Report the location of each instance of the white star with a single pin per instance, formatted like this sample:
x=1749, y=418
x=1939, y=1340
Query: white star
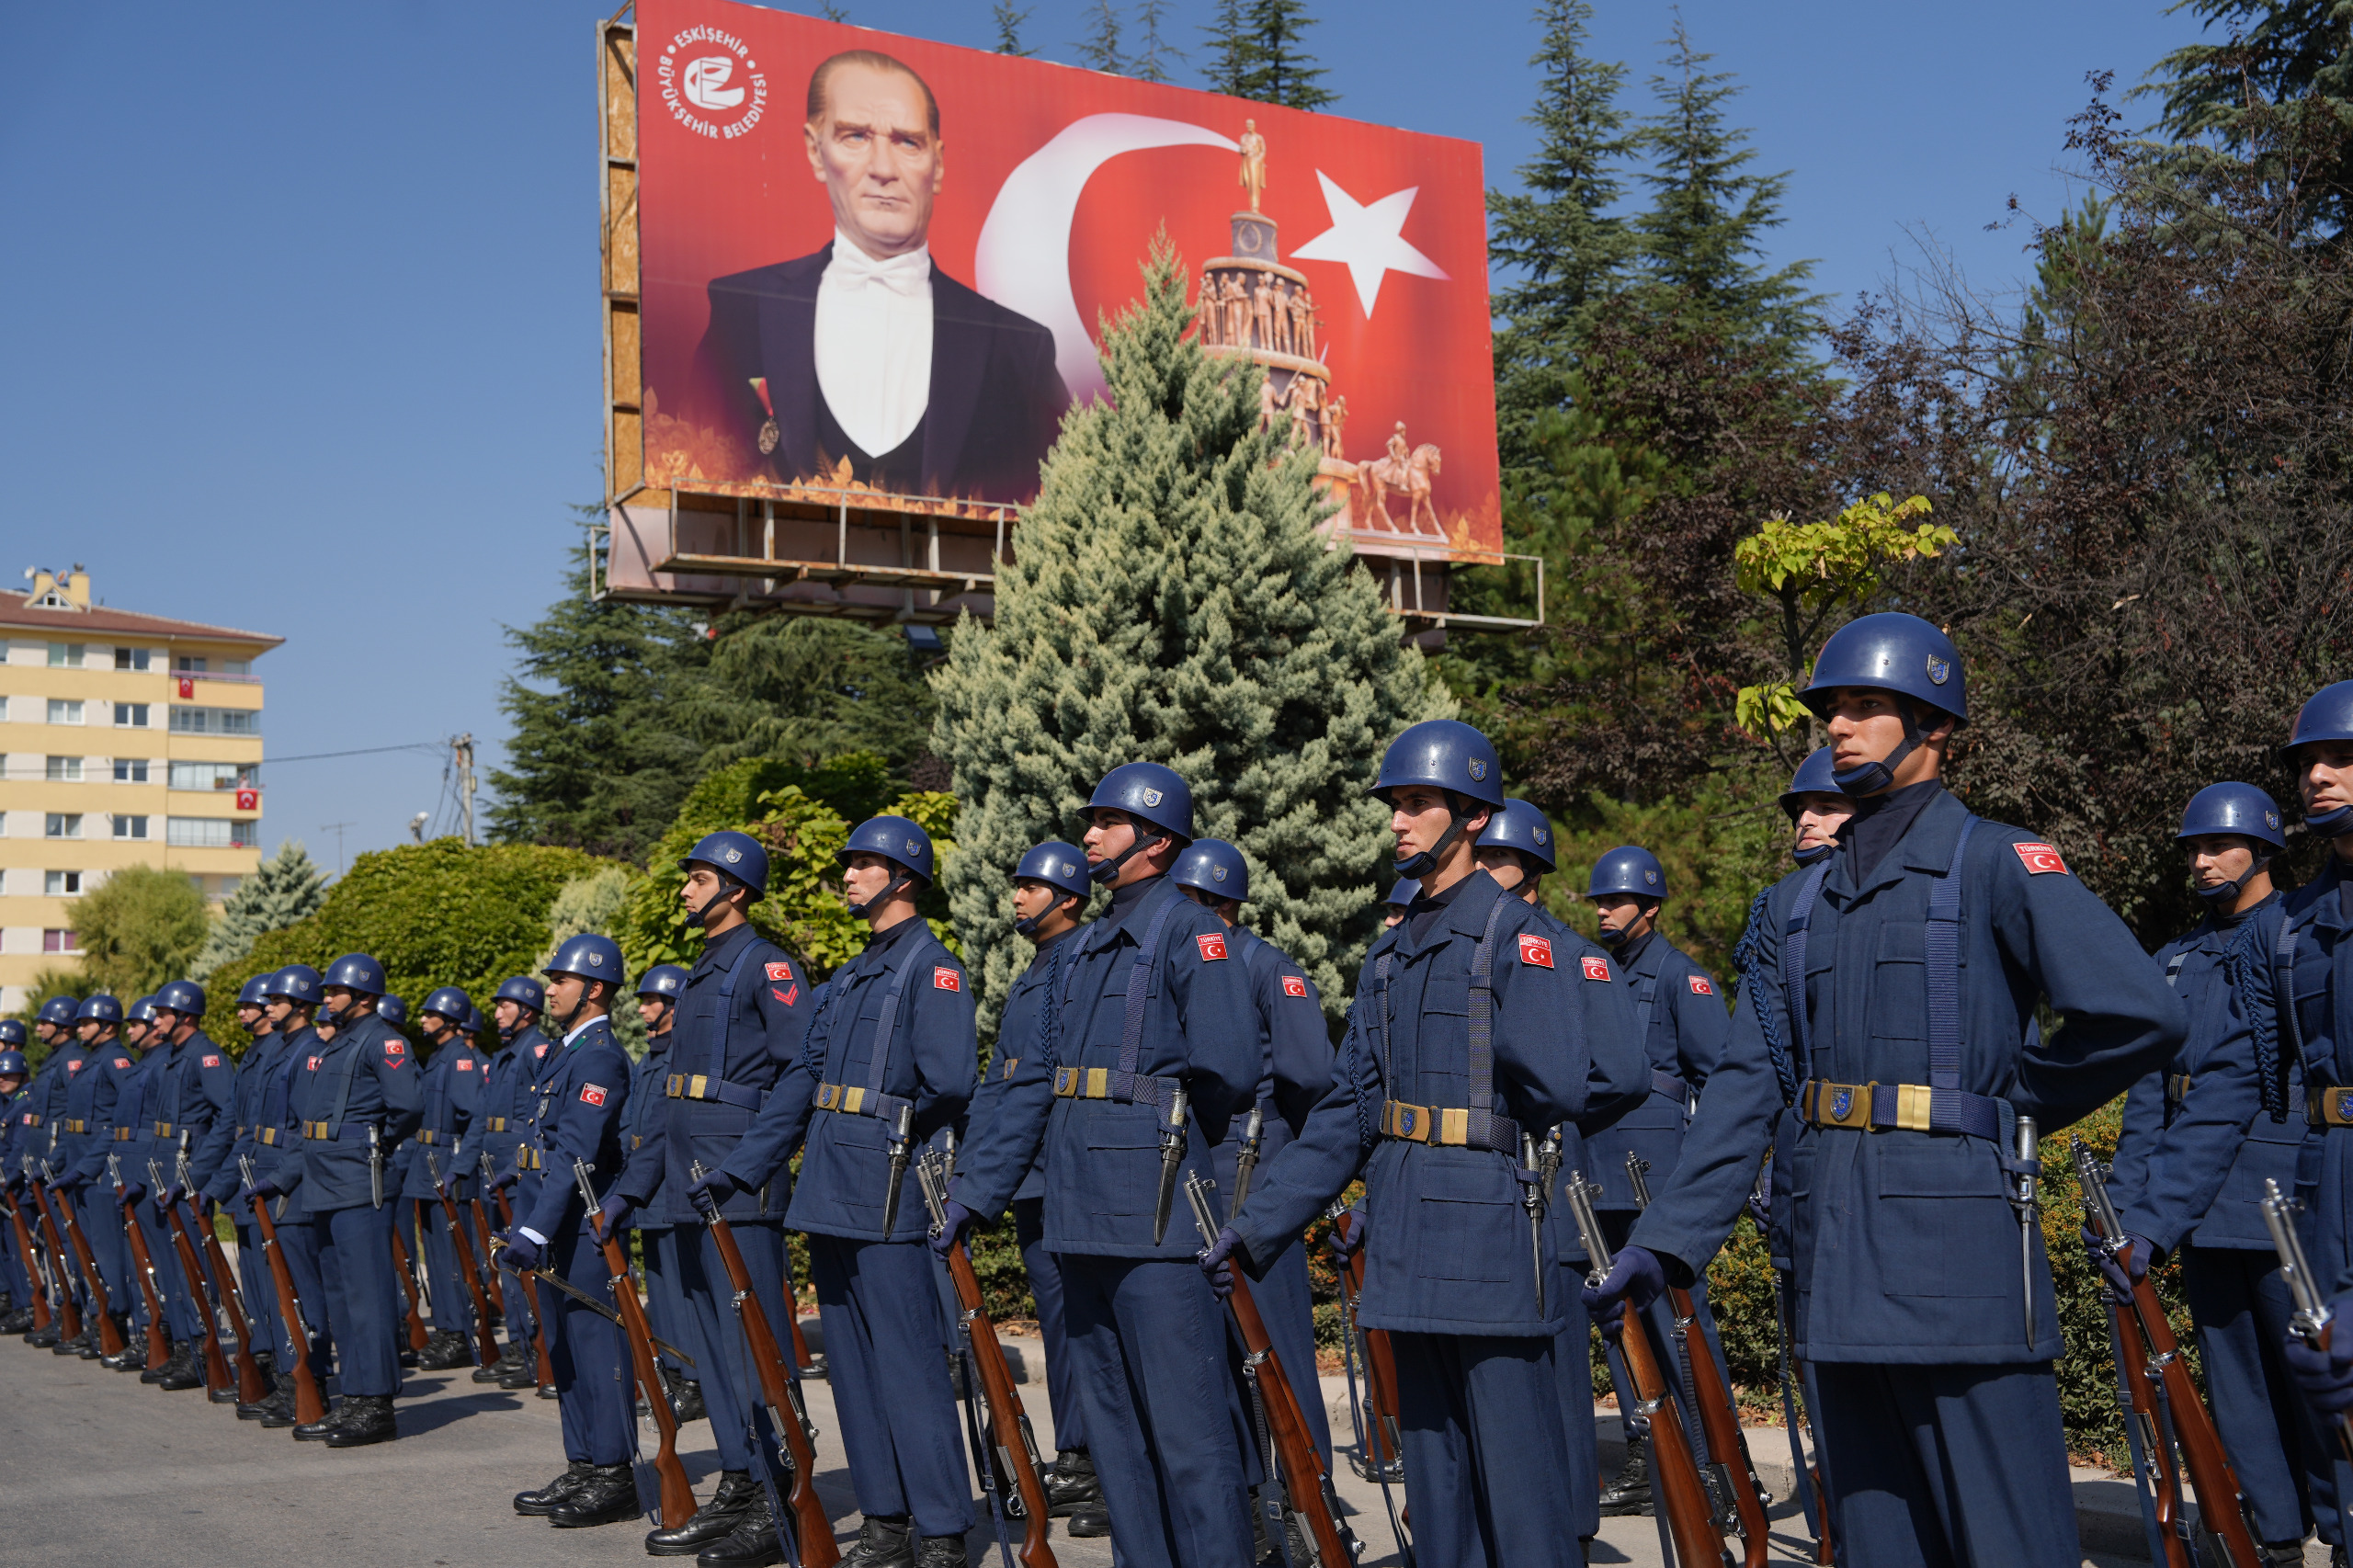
x=1368, y=239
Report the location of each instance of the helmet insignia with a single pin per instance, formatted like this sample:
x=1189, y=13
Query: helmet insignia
x=596, y=961
x=912, y=848
x=1651, y=878
x=1152, y=797
x=2271, y=821
x=1940, y=670
x=1542, y=835
x=1217, y=873
x=1478, y=770
x=733, y=856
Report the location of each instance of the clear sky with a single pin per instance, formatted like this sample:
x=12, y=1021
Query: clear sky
x=302, y=320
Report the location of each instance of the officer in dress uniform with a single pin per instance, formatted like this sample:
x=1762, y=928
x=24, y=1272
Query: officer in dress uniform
x=1049, y=895
x=49, y=1144
x=94, y=1085
x=183, y=1089
x=354, y=1099
x=740, y=1026
x=1914, y=970
x=507, y=1100
x=658, y=991
x=292, y=995
x=1153, y=1003
x=1474, y=1021
x=441, y=1160
x=890, y=1063
x=580, y=1096
x=255, y=1281
x=2191, y=1167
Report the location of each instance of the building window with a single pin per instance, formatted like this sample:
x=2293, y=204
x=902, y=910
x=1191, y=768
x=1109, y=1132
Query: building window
x=226, y=887
x=130, y=658
x=216, y=775
x=55, y=940
x=215, y=720
x=66, y=655
x=64, y=710
x=129, y=826
x=236, y=666
x=64, y=770
x=62, y=884
x=131, y=715
x=211, y=832
x=130, y=770
x=61, y=824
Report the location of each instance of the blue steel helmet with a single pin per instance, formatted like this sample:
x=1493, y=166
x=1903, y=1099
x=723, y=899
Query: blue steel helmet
x=448, y=1002
x=140, y=1012
x=1894, y=651
x=1150, y=793
x=664, y=979
x=1628, y=869
x=1443, y=754
x=732, y=854
x=2233, y=808
x=523, y=989
x=101, y=1006
x=1215, y=866
x=476, y=1023
x=184, y=997
x=1815, y=775
x=12, y=1032
x=1520, y=826
x=393, y=1009
x=296, y=982
x=896, y=839
x=591, y=956
x=2327, y=715
x=1060, y=866
x=1403, y=895
x=12, y=1061
x=356, y=971
x=59, y=1010
x=254, y=991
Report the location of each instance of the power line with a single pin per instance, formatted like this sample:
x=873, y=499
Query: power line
x=364, y=751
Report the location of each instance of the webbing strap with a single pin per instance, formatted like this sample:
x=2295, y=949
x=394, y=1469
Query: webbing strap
x=886, y=1028
x=727, y=1007
x=1645, y=1002
x=1942, y=947
x=2173, y=967
x=2283, y=985
x=1483, y=1031
x=1140, y=986
x=1794, y=939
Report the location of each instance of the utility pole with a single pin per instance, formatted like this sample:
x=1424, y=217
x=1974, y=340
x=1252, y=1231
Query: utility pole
x=336, y=828
x=462, y=751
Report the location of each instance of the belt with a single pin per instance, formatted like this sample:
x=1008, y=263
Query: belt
x=163, y=1129
x=1448, y=1126
x=2328, y=1106
x=1670, y=1085
x=73, y=1126
x=495, y=1124
x=2177, y=1086
x=529, y=1160
x=1914, y=1107
x=856, y=1100
x=269, y=1135
x=319, y=1131
x=427, y=1136
x=123, y=1134
x=702, y=1087
x=1109, y=1083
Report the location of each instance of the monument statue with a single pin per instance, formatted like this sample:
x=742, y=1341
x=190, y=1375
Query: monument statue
x=1254, y=162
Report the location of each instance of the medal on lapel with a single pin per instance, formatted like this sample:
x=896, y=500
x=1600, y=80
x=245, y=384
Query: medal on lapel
x=769, y=434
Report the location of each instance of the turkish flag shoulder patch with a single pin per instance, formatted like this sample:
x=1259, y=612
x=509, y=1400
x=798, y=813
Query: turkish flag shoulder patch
x=74, y=1067
x=2041, y=859
x=465, y=1063
x=212, y=1061
x=1295, y=985
x=1596, y=967
x=394, y=1046
x=592, y=1094
x=1213, y=946
x=1700, y=986
x=781, y=972
x=1535, y=949
x=311, y=1066
x=943, y=978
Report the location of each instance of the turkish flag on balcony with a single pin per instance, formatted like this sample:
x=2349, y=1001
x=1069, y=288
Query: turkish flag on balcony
x=249, y=800
x=188, y=686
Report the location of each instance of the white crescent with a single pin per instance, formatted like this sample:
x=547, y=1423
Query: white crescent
x=1023, y=258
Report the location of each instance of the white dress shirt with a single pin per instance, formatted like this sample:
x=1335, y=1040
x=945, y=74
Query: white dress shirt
x=873, y=343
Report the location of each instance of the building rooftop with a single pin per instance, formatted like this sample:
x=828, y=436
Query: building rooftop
x=61, y=603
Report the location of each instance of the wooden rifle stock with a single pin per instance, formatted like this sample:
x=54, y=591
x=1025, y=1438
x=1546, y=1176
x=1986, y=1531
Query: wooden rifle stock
x=486, y=1337
x=217, y=1375
x=1017, y=1448
x=42, y=1316
x=1676, y=1471
x=2165, y=1475
x=159, y=1338
x=69, y=1313
x=803, y=1363
x=539, y=1329
x=2218, y=1506
x=813, y=1528
x=310, y=1403
x=1379, y=1357
x=417, y=1337
x=1721, y=1421
x=677, y=1493
x=252, y=1387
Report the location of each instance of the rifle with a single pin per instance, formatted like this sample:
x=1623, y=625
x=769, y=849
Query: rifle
x=1016, y=1445
x=678, y=1494
x=2313, y=1316
x=252, y=1387
x=1718, y=1419
x=1380, y=1444
x=803, y=1364
x=1684, y=1511
x=36, y=1267
x=217, y=1378
x=2222, y=1507
x=159, y=1338
x=486, y=1337
x=69, y=1314
x=1292, y=1460
x=310, y=1403
x=539, y=1329
x=812, y=1526
x=417, y=1337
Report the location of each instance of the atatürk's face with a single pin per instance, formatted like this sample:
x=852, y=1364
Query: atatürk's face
x=874, y=149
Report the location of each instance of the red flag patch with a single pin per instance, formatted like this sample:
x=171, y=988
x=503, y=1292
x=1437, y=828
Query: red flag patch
x=311, y=1066
x=592, y=1094
x=1295, y=985
x=1535, y=949
x=212, y=1061
x=540, y=1049
x=74, y=1067
x=1596, y=968
x=394, y=1046
x=465, y=1063
x=780, y=971
x=2040, y=859
x=123, y=1062
x=1212, y=947
x=946, y=979
x=1700, y=986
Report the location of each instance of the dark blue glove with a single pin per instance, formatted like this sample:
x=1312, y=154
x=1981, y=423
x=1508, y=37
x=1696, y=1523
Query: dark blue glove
x=1217, y=1261
x=959, y=1218
x=502, y=1181
x=1637, y=1277
x=522, y=1252
x=2121, y=1276
x=1760, y=1206
x=2326, y=1376
x=69, y=1184
x=1345, y=1247
x=132, y=1191
x=715, y=1188
x=260, y=1188
x=610, y=1213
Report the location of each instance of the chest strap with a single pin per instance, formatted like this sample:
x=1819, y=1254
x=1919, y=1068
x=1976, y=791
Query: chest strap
x=867, y=1099
x=701, y=1087
x=1911, y=1108
x=1448, y=1127
x=1124, y=1083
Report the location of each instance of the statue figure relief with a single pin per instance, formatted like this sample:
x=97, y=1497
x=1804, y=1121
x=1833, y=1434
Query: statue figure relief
x=1302, y=411
x=1262, y=307
x=1254, y=162
x=1303, y=323
x=1210, y=314
x=1237, y=311
x=1266, y=403
x=1408, y=471
x=1335, y=414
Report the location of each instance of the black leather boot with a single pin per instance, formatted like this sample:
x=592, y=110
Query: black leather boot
x=883, y=1543
x=940, y=1551
x=317, y=1431
x=1630, y=1492
x=752, y=1543
x=45, y=1338
x=371, y=1422
x=171, y=1364
x=1088, y=1521
x=609, y=1498
x=1071, y=1485
x=261, y=1407
x=183, y=1371
x=129, y=1358
x=16, y=1322
x=712, y=1521
x=442, y=1353
x=72, y=1347
x=509, y=1360
x=543, y=1501
x=278, y=1410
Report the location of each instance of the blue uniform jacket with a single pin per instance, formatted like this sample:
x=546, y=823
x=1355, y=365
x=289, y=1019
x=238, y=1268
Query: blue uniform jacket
x=368, y=1078
x=1680, y=1016
x=508, y=1096
x=185, y=1088
x=1905, y=1246
x=896, y=1027
x=1019, y=1032
x=2316, y=971
x=741, y=1024
x=641, y=1131
x=448, y=1110
x=1102, y=1156
x=578, y=1102
x=1448, y=1245
x=233, y=1136
x=92, y=1095
x=1294, y=1053
x=2193, y=1165
x=39, y=1118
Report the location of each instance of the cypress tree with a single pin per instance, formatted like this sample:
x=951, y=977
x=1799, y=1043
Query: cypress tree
x=1234, y=53
x=1150, y=63
x=1281, y=71
x=1009, y=19
x=1100, y=47
x=287, y=887
x=1171, y=601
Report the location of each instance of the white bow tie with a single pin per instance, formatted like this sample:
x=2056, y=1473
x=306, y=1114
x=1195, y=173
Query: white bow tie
x=905, y=275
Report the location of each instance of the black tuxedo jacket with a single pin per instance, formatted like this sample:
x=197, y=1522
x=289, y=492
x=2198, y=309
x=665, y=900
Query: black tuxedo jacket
x=997, y=398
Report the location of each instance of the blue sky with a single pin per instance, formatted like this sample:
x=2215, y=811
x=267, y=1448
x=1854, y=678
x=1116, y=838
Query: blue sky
x=304, y=318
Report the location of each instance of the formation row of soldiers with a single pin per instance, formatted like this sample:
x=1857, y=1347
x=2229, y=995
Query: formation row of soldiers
x=1547, y=1131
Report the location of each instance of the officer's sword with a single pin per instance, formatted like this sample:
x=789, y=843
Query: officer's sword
x=2313, y=1316
x=556, y=1281
x=902, y=1133
x=1245, y=1159
x=375, y=1169
x=2026, y=1197
x=1173, y=1137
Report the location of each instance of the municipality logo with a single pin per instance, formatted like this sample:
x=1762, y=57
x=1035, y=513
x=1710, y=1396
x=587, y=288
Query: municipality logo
x=709, y=83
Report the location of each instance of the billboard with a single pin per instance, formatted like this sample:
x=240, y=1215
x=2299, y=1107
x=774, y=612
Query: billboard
x=896, y=294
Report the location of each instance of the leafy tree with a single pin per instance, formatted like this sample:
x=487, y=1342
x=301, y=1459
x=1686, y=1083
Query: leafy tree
x=1009, y=19
x=287, y=887
x=1173, y=602
x=593, y=901
x=139, y=928
x=1100, y=47
x=2288, y=67
x=1233, y=53
x=800, y=689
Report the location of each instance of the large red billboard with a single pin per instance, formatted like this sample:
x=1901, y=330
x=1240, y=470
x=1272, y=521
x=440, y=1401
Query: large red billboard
x=876, y=264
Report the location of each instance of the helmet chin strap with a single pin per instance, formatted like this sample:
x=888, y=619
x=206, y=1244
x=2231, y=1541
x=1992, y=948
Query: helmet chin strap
x=2223, y=893
x=1873, y=777
x=727, y=885
x=1416, y=866
x=1813, y=854
x=889, y=890
x=1110, y=869
x=2331, y=824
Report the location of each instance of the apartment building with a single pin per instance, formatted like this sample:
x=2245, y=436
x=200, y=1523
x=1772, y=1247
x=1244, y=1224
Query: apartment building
x=125, y=739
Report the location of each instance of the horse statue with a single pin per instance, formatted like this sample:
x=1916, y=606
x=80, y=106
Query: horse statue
x=1411, y=478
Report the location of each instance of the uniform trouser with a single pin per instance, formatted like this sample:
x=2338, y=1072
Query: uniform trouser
x=261, y=1290
x=593, y=1377
x=405, y=1218
x=1046, y=1289
x=1572, y=1370
x=731, y=1388
x=1615, y=1224
x=1147, y=1339
x=1485, y=1452
x=101, y=1218
x=450, y=1296
x=1287, y=1305
x=2283, y=1460
x=15, y=1271
x=879, y=1304
x=298, y=1240
x=356, y=1258
x=1946, y=1465
x=666, y=1303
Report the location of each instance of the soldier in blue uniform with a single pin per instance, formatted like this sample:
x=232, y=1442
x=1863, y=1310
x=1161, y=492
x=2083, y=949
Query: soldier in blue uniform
x=292, y=996
x=88, y=1139
x=580, y=1096
x=505, y=1112
x=184, y=1088
x=1475, y=1021
x=13, y=1095
x=441, y=1159
x=658, y=991
x=1401, y=897
x=56, y=1148
x=233, y=1141
x=891, y=1062
x=1153, y=1005
x=1914, y=971
x=740, y=1021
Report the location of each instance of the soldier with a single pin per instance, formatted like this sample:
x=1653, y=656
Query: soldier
x=891, y=1059
x=449, y=1113
x=1401, y=899
x=505, y=1103
x=233, y=1141
x=18, y=1278
x=665, y=1303
x=1938, y=935
x=136, y=1020
x=1154, y=1007
x=184, y=1085
x=292, y=996
x=580, y=1097
x=94, y=1085
x=40, y=1128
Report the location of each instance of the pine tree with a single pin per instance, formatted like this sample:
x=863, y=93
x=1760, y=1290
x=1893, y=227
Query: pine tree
x=1234, y=51
x=1100, y=47
x=1150, y=63
x=2277, y=96
x=287, y=887
x=1008, y=20
x=1173, y=602
x=1281, y=71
